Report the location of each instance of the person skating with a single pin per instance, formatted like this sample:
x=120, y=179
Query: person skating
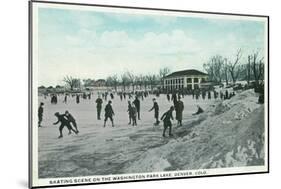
x=109, y=113
x=199, y=110
x=72, y=120
x=166, y=117
x=168, y=97
x=64, y=122
x=174, y=98
x=134, y=115
x=40, y=114
x=156, y=111
x=77, y=99
x=137, y=104
x=65, y=99
x=99, y=106
x=179, y=109
x=130, y=112
x=226, y=95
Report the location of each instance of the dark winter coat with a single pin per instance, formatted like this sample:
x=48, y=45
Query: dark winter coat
x=137, y=104
x=179, y=109
x=99, y=103
x=108, y=110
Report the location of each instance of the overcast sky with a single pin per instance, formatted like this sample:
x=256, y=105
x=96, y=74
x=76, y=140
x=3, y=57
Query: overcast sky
x=91, y=44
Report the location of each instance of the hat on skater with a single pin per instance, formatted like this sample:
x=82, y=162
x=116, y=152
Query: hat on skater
x=41, y=103
x=110, y=102
x=57, y=113
x=66, y=112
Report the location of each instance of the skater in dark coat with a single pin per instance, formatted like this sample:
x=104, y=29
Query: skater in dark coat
x=168, y=97
x=130, y=112
x=109, y=113
x=156, y=111
x=174, y=98
x=64, y=122
x=179, y=109
x=137, y=104
x=77, y=99
x=65, y=99
x=99, y=106
x=40, y=114
x=71, y=119
x=226, y=95
x=166, y=117
x=134, y=115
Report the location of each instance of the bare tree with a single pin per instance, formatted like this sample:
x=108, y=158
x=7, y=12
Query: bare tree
x=257, y=67
x=125, y=80
x=132, y=79
x=233, y=68
x=214, y=68
x=112, y=81
x=248, y=70
x=72, y=82
x=163, y=72
x=225, y=71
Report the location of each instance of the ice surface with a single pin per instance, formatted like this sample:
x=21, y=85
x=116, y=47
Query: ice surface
x=229, y=133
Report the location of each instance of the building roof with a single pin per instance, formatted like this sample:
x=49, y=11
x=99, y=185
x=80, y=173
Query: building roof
x=186, y=72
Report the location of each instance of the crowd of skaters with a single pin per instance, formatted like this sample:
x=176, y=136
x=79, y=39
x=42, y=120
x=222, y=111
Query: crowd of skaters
x=134, y=101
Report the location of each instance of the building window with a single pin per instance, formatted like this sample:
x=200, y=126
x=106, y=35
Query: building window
x=203, y=80
x=188, y=80
x=196, y=86
x=196, y=80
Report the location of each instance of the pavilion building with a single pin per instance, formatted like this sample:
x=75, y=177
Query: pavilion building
x=185, y=79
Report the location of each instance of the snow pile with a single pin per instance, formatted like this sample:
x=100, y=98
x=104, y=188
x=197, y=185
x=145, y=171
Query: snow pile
x=227, y=134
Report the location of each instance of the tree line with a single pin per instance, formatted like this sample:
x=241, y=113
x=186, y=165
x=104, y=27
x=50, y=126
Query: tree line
x=124, y=80
x=221, y=68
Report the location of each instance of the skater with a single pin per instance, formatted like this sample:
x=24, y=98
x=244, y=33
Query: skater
x=129, y=112
x=199, y=111
x=166, y=117
x=179, y=109
x=40, y=114
x=156, y=111
x=168, y=97
x=99, y=106
x=108, y=113
x=226, y=95
x=137, y=104
x=174, y=98
x=111, y=96
x=77, y=99
x=134, y=115
x=71, y=120
x=65, y=99
x=64, y=122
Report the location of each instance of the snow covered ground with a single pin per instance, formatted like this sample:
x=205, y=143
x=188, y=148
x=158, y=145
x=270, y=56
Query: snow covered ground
x=228, y=133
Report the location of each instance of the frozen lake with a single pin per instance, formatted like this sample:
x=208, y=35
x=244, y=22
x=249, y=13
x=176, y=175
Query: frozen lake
x=97, y=150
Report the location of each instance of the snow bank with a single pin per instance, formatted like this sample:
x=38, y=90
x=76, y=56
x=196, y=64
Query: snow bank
x=227, y=134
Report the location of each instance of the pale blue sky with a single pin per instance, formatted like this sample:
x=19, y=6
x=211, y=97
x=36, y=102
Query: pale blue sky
x=91, y=44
